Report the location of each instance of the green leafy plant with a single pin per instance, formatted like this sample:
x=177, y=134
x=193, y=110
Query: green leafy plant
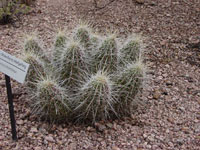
x=11, y=8
x=88, y=78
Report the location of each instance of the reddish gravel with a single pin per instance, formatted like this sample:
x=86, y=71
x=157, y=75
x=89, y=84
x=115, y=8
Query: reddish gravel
x=170, y=120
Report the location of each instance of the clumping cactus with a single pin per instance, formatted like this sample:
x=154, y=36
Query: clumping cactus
x=132, y=48
x=89, y=77
x=51, y=101
x=33, y=44
x=82, y=33
x=96, y=98
x=60, y=42
x=36, y=69
x=73, y=64
x=106, y=57
x=93, y=45
x=95, y=40
x=129, y=82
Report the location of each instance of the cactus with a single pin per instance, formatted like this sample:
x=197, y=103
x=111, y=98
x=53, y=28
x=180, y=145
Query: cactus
x=95, y=41
x=129, y=82
x=96, y=98
x=51, y=101
x=73, y=64
x=59, y=45
x=106, y=57
x=32, y=44
x=82, y=33
x=132, y=48
x=36, y=69
x=90, y=78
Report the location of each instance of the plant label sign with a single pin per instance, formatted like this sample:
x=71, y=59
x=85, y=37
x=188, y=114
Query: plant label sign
x=13, y=67
x=16, y=69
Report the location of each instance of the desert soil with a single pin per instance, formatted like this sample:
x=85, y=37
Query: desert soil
x=170, y=118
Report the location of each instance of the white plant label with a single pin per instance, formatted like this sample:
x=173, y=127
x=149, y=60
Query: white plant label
x=13, y=67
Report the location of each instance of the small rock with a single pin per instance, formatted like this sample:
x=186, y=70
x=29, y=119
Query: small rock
x=103, y=143
x=109, y=125
x=90, y=129
x=198, y=137
x=164, y=42
x=167, y=131
x=168, y=83
x=152, y=3
x=30, y=134
x=197, y=128
x=42, y=130
x=33, y=129
x=144, y=135
x=115, y=126
x=194, y=42
x=198, y=101
x=72, y=146
x=100, y=127
x=2, y=83
x=20, y=122
x=148, y=146
x=140, y=1
x=150, y=138
x=182, y=109
x=156, y=94
x=49, y=139
x=171, y=120
x=168, y=15
x=1, y=137
x=180, y=141
x=37, y=148
x=115, y=148
x=99, y=139
x=45, y=142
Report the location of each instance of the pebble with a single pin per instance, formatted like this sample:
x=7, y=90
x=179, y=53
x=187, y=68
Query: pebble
x=185, y=130
x=150, y=138
x=156, y=94
x=49, y=139
x=180, y=141
x=1, y=137
x=168, y=83
x=182, y=109
x=33, y=129
x=144, y=135
x=101, y=127
x=2, y=83
x=140, y=1
x=20, y=122
x=148, y=146
x=37, y=148
x=72, y=146
x=109, y=125
x=115, y=148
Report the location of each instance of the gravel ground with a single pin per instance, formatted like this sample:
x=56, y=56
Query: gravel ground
x=170, y=120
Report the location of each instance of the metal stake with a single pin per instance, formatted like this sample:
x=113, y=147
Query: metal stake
x=11, y=108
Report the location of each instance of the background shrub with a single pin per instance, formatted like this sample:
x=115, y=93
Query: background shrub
x=11, y=8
